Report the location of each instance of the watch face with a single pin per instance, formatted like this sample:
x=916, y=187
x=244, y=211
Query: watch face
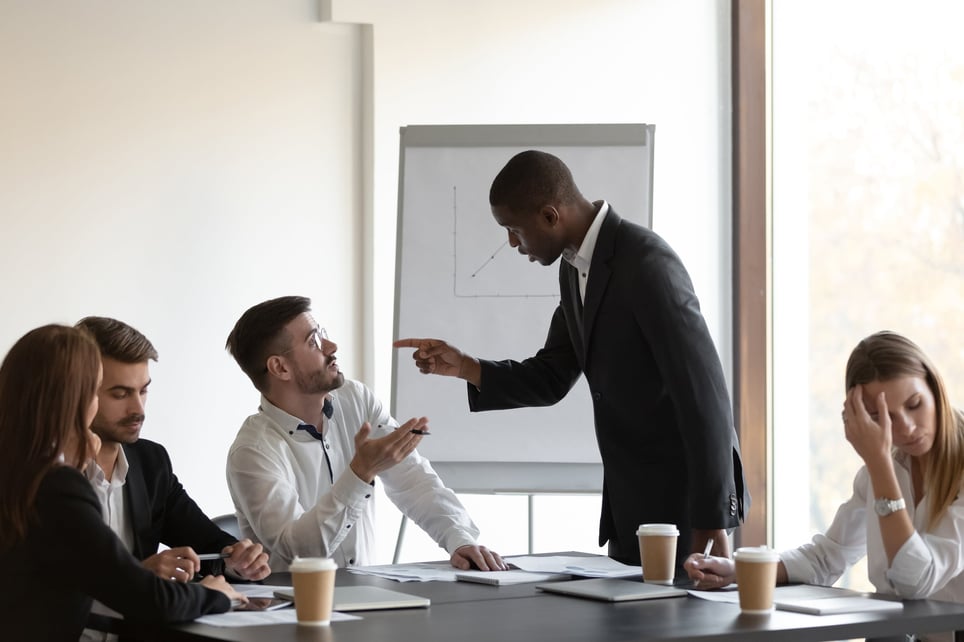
x=884, y=507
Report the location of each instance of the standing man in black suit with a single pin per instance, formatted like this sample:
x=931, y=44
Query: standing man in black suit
x=630, y=321
x=141, y=497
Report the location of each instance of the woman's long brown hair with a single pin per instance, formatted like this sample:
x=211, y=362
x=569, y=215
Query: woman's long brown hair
x=47, y=383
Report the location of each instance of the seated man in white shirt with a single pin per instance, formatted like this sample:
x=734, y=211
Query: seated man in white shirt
x=301, y=471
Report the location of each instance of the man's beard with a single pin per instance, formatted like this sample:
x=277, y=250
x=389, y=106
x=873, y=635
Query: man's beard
x=318, y=382
x=119, y=431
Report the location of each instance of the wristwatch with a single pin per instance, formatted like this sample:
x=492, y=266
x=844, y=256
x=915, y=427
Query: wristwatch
x=884, y=506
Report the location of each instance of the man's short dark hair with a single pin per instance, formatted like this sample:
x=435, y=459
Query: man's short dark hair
x=118, y=341
x=531, y=180
x=260, y=333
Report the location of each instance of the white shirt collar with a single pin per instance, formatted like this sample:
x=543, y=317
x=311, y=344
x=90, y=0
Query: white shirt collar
x=286, y=423
x=582, y=259
x=94, y=472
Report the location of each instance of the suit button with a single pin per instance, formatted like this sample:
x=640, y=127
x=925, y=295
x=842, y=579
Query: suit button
x=596, y=396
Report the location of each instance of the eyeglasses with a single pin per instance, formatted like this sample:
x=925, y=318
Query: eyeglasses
x=316, y=340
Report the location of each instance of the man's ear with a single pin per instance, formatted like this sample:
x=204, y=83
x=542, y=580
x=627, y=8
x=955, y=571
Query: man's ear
x=278, y=367
x=550, y=215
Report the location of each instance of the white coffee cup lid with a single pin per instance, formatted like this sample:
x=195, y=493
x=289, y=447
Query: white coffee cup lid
x=657, y=529
x=756, y=554
x=312, y=564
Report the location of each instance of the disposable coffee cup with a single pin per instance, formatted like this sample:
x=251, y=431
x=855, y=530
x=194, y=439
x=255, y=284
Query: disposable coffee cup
x=313, y=579
x=756, y=576
x=657, y=551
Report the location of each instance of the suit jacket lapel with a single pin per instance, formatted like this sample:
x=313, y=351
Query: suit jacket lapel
x=599, y=272
x=135, y=492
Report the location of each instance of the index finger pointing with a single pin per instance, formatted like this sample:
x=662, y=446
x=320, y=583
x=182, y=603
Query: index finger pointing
x=408, y=343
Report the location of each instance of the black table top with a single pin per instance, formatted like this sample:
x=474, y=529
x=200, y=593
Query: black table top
x=470, y=612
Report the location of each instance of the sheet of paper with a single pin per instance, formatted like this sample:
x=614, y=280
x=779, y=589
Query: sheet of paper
x=428, y=572
x=503, y=578
x=260, y=618
x=789, y=592
x=596, y=566
x=832, y=605
x=258, y=590
x=812, y=592
x=726, y=594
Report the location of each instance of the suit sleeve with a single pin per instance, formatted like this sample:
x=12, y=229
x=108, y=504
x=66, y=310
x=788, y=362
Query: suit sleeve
x=540, y=380
x=93, y=560
x=181, y=521
x=669, y=316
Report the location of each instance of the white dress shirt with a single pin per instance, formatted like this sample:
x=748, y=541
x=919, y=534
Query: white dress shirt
x=582, y=259
x=297, y=495
x=928, y=565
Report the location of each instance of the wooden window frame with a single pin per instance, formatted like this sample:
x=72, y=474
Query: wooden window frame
x=751, y=261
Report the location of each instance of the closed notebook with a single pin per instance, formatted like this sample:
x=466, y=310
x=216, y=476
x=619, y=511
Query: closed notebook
x=366, y=598
x=832, y=605
x=612, y=590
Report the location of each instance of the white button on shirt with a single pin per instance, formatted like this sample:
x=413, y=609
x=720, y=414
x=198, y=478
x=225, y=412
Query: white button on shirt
x=284, y=495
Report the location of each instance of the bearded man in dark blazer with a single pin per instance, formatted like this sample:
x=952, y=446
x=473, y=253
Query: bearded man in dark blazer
x=628, y=319
x=142, y=499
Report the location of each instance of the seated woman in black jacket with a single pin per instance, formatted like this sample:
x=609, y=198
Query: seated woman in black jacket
x=56, y=551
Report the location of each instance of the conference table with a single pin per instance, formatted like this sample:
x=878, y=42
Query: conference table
x=470, y=612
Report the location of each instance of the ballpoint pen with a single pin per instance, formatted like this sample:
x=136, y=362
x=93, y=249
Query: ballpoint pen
x=414, y=431
x=709, y=547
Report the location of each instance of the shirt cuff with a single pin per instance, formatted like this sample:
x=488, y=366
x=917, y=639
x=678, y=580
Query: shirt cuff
x=351, y=491
x=906, y=572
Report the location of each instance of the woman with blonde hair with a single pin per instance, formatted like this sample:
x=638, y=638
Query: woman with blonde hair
x=56, y=551
x=907, y=510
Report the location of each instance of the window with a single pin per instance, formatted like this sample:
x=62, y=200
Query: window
x=867, y=220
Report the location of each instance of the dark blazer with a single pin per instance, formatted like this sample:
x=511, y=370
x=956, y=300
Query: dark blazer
x=160, y=509
x=663, y=418
x=70, y=556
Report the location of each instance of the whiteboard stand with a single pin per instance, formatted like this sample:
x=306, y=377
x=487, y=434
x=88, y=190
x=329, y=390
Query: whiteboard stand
x=515, y=478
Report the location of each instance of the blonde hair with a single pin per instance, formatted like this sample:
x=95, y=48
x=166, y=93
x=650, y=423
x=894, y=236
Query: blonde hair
x=887, y=355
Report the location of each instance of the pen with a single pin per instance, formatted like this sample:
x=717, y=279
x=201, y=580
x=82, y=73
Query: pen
x=706, y=551
x=213, y=556
x=414, y=431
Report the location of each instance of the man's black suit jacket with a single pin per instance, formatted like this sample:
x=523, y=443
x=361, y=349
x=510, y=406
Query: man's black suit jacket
x=161, y=511
x=662, y=412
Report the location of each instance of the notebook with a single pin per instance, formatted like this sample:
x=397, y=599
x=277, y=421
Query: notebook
x=505, y=578
x=831, y=605
x=366, y=598
x=612, y=590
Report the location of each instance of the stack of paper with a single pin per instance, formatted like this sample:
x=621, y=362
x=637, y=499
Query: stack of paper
x=595, y=566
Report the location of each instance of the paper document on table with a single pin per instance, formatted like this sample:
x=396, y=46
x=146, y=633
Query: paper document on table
x=261, y=618
x=427, y=572
x=258, y=590
x=504, y=578
x=832, y=605
x=730, y=594
x=592, y=566
x=726, y=594
x=812, y=592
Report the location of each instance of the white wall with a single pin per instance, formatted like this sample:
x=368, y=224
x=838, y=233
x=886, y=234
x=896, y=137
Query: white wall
x=172, y=163
x=545, y=61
